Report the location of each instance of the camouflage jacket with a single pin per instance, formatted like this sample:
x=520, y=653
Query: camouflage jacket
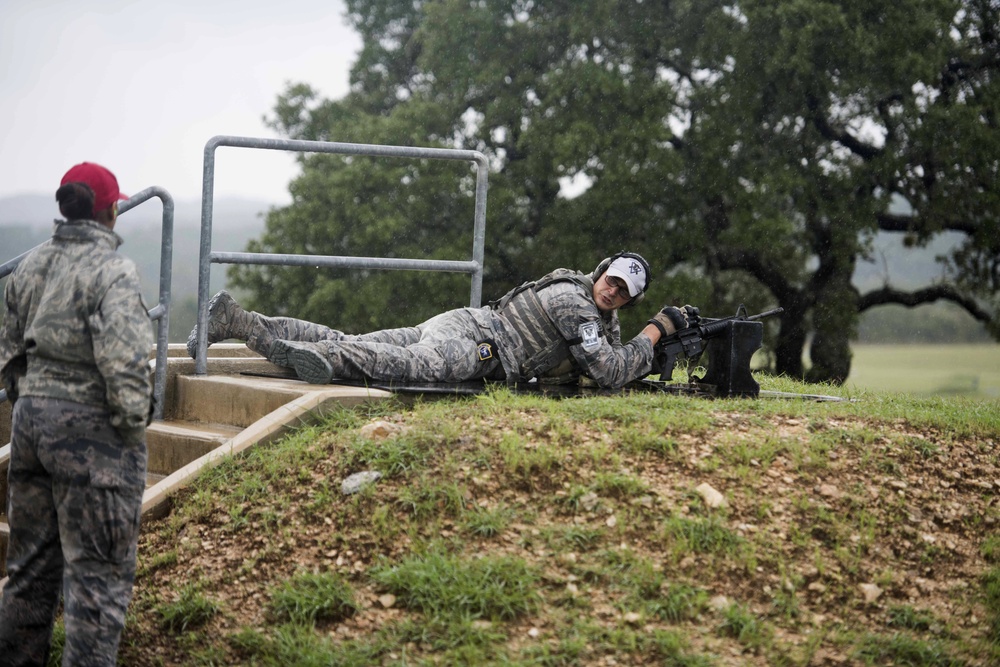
x=590, y=340
x=75, y=326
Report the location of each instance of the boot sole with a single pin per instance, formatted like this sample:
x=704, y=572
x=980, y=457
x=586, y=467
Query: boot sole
x=309, y=365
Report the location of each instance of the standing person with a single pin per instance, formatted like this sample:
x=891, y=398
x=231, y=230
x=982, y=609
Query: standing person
x=74, y=345
x=555, y=329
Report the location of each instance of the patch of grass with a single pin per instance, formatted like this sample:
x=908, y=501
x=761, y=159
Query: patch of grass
x=662, y=647
x=146, y=565
x=308, y=597
x=746, y=451
x=439, y=584
x=903, y=649
x=618, y=485
x=785, y=603
x=386, y=526
x=392, y=457
x=566, y=652
x=572, y=538
x=483, y=522
x=578, y=499
x=527, y=461
x=991, y=595
x=632, y=573
x=299, y=645
x=640, y=441
x=922, y=447
x=908, y=618
x=744, y=626
x=450, y=633
x=990, y=548
x=679, y=602
x=700, y=535
x=57, y=645
x=190, y=610
x=428, y=497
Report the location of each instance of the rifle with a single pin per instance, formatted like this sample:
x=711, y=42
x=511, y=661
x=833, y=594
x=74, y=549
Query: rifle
x=733, y=345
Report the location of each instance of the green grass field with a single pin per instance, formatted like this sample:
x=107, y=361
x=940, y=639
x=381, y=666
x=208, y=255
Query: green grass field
x=940, y=370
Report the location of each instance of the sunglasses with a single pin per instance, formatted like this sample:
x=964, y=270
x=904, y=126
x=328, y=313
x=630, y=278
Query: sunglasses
x=618, y=284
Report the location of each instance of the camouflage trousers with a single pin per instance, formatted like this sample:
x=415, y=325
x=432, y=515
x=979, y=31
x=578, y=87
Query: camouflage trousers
x=74, y=500
x=446, y=348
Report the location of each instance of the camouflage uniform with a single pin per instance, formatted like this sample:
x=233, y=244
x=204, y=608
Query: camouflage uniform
x=564, y=336
x=74, y=346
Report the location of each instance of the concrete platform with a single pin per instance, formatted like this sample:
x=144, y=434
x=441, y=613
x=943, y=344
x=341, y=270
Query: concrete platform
x=230, y=409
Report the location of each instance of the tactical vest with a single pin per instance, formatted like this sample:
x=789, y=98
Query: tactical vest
x=545, y=350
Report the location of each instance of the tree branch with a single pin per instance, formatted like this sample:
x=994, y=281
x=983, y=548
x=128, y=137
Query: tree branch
x=768, y=275
x=889, y=222
x=843, y=137
x=889, y=295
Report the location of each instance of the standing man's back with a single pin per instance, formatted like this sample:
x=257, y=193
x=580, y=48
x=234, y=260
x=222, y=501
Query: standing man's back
x=74, y=345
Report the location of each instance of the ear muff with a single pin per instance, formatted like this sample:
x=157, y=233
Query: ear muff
x=605, y=263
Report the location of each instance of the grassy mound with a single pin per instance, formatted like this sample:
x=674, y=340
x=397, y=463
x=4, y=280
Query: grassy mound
x=645, y=529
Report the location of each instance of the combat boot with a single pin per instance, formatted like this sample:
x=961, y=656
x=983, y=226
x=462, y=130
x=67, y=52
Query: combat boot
x=226, y=319
x=308, y=360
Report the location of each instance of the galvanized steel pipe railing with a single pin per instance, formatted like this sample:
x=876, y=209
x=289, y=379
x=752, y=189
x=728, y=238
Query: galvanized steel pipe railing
x=207, y=256
x=161, y=311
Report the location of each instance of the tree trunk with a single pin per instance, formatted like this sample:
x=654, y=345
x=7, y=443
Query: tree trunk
x=835, y=316
x=791, y=339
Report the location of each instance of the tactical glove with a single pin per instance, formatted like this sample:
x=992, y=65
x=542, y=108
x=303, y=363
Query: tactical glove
x=670, y=320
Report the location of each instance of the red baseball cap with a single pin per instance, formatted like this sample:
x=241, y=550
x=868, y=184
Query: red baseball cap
x=97, y=178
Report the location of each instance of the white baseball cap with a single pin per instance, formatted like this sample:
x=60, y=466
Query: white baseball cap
x=632, y=271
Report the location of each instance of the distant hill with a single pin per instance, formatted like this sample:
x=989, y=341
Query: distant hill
x=26, y=221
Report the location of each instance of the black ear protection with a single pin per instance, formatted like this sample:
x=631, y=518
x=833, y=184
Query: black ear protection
x=603, y=266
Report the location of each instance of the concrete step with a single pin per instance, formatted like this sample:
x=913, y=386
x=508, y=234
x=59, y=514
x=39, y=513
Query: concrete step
x=173, y=444
x=236, y=400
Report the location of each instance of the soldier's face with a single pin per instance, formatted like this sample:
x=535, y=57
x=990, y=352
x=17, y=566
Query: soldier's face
x=610, y=293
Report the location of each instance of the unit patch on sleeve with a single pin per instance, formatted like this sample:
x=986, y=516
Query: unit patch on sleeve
x=485, y=350
x=590, y=336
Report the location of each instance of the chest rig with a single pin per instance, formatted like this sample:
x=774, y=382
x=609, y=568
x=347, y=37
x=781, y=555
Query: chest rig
x=545, y=351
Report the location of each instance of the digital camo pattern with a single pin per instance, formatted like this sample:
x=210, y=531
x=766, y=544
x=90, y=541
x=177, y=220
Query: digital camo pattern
x=445, y=348
x=74, y=345
x=571, y=308
x=74, y=502
x=74, y=313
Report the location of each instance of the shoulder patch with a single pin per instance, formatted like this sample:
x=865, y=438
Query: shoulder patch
x=590, y=336
x=485, y=350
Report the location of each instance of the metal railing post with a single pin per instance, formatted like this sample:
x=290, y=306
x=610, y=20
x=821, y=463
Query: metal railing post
x=207, y=256
x=161, y=311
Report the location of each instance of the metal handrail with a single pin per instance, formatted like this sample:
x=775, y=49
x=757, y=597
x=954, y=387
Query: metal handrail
x=207, y=256
x=161, y=311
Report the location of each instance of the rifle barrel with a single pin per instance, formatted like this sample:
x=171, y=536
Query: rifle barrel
x=768, y=313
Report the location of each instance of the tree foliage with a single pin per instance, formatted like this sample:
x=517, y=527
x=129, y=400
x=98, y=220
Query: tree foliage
x=750, y=150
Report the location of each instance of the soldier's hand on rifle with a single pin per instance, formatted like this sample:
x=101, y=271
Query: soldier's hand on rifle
x=671, y=319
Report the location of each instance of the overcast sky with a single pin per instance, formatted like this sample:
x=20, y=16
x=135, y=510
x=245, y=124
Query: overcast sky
x=140, y=86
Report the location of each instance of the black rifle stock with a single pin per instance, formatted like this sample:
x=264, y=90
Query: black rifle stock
x=691, y=341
